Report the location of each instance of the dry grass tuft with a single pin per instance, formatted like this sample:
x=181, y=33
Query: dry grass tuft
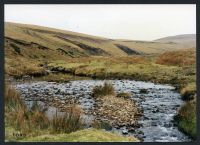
x=69, y=122
x=106, y=89
x=188, y=92
x=34, y=119
x=187, y=118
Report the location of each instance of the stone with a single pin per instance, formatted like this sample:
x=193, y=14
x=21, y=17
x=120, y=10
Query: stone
x=124, y=131
x=140, y=132
x=132, y=130
x=58, y=92
x=153, y=124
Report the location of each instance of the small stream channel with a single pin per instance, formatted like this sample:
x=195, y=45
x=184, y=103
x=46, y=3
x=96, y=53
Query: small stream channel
x=159, y=104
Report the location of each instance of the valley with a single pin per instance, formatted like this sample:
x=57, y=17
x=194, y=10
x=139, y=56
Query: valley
x=49, y=66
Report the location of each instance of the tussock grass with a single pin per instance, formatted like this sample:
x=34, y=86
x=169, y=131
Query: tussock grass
x=69, y=122
x=106, y=89
x=34, y=120
x=19, y=116
x=187, y=119
x=188, y=92
x=12, y=98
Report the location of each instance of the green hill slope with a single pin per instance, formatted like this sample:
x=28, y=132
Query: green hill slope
x=31, y=41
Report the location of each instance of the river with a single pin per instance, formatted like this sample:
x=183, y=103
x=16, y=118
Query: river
x=159, y=104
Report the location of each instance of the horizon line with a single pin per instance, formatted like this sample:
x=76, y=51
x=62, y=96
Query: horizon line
x=98, y=35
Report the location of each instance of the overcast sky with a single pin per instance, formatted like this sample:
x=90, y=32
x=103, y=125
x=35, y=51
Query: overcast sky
x=136, y=22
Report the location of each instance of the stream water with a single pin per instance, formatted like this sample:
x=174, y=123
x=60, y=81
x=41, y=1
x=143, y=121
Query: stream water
x=159, y=104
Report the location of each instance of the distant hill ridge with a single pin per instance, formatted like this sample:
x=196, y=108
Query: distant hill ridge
x=42, y=42
x=187, y=40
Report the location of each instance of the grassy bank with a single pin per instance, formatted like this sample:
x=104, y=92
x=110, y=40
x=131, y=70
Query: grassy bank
x=86, y=135
x=186, y=119
x=146, y=68
x=179, y=69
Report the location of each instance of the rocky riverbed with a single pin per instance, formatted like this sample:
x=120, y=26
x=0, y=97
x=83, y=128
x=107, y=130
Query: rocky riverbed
x=159, y=103
x=117, y=111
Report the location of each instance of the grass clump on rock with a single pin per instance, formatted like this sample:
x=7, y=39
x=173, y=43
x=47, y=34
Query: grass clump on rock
x=106, y=89
x=108, y=104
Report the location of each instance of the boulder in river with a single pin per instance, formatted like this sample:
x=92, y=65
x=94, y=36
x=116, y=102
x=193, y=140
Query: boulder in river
x=143, y=91
x=125, y=131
